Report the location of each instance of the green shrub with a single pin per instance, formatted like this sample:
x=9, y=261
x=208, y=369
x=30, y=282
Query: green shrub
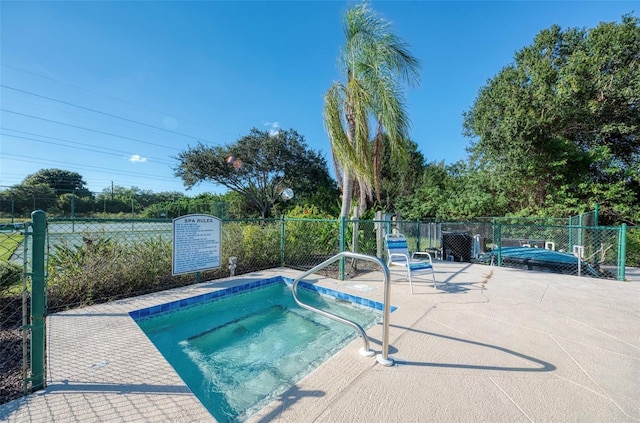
x=308, y=212
x=103, y=269
x=633, y=247
x=10, y=275
x=256, y=246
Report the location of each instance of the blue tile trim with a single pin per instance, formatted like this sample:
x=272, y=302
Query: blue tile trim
x=211, y=296
x=340, y=295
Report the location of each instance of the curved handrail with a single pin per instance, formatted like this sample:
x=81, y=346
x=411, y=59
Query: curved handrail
x=385, y=322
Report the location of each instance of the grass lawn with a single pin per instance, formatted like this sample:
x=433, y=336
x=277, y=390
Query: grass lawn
x=9, y=243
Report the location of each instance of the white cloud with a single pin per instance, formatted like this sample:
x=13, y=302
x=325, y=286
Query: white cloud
x=136, y=158
x=274, y=128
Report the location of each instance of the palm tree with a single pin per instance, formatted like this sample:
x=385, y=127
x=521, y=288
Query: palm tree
x=376, y=63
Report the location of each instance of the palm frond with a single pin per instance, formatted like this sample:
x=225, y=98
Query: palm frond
x=377, y=64
x=346, y=152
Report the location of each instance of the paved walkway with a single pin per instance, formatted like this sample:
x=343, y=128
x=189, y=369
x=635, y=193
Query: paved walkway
x=632, y=274
x=492, y=345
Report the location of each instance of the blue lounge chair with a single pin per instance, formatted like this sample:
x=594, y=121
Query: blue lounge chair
x=417, y=263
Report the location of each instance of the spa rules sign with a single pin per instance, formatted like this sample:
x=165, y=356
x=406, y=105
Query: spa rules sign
x=196, y=243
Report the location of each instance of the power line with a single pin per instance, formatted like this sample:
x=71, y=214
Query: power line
x=78, y=148
x=86, y=129
x=9, y=182
x=143, y=177
x=67, y=112
x=107, y=186
x=48, y=161
x=103, y=113
x=114, y=98
x=115, y=152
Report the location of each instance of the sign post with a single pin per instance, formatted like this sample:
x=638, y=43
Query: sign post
x=196, y=244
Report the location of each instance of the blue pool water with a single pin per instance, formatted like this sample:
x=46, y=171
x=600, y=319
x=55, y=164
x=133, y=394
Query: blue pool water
x=239, y=350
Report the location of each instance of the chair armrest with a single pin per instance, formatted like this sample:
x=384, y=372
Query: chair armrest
x=402, y=256
x=422, y=253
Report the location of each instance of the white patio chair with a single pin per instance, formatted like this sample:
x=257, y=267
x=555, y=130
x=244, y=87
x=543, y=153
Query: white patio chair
x=417, y=263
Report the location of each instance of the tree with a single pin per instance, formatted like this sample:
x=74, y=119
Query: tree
x=73, y=205
x=118, y=199
x=259, y=166
x=427, y=199
x=239, y=205
x=62, y=181
x=560, y=125
x=375, y=63
x=22, y=199
x=400, y=175
x=449, y=192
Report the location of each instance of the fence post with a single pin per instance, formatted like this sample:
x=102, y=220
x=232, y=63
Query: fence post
x=418, y=229
x=570, y=241
x=499, y=245
x=73, y=204
x=343, y=235
x=580, y=234
x=37, y=299
x=379, y=235
x=282, y=234
x=356, y=228
x=622, y=252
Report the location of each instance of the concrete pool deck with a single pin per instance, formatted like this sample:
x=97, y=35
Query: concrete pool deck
x=493, y=344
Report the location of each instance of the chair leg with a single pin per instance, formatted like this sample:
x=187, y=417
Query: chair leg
x=433, y=274
x=410, y=281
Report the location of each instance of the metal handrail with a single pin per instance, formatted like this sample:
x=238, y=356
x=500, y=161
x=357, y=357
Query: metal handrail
x=365, y=350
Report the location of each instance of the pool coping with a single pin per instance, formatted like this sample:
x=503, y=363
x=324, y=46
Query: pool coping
x=157, y=309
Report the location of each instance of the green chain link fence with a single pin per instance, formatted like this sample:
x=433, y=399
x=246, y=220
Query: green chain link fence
x=22, y=314
x=13, y=311
x=576, y=250
x=633, y=242
x=595, y=251
x=91, y=261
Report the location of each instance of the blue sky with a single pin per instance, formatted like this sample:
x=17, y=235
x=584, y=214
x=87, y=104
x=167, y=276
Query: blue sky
x=115, y=90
